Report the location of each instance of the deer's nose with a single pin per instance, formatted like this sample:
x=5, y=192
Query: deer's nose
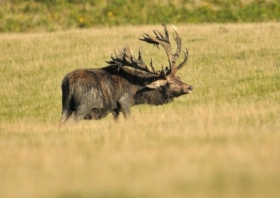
x=190, y=88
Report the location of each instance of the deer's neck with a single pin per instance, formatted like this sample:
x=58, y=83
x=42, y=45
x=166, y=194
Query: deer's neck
x=154, y=97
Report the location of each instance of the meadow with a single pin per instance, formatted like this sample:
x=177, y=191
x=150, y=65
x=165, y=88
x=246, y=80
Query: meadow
x=57, y=15
x=222, y=140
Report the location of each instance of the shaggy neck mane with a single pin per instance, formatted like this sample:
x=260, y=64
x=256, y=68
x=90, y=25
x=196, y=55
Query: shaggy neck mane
x=143, y=95
x=154, y=97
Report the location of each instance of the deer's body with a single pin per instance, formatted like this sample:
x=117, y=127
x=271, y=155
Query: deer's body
x=94, y=93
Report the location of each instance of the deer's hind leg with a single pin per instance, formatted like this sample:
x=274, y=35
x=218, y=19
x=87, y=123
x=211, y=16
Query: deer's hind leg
x=66, y=114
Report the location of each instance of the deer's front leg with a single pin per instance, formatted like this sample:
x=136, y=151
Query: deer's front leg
x=125, y=104
x=115, y=114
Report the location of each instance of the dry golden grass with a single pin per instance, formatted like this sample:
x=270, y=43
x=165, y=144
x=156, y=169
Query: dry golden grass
x=221, y=141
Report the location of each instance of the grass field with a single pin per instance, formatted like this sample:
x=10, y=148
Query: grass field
x=221, y=141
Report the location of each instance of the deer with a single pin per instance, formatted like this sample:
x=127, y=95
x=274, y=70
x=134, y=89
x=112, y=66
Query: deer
x=93, y=93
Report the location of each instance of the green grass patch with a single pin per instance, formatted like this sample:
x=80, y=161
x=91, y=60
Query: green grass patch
x=220, y=141
x=41, y=15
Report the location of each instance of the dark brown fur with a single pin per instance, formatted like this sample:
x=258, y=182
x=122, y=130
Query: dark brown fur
x=94, y=93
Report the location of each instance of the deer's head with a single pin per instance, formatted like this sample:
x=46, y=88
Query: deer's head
x=161, y=78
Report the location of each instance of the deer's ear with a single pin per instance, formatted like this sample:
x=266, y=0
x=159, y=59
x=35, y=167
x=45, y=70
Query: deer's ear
x=156, y=84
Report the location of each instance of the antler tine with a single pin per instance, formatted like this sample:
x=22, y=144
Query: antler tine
x=147, y=38
x=166, y=32
x=115, y=53
x=127, y=54
x=164, y=41
x=140, y=58
x=178, y=41
x=182, y=64
x=120, y=53
x=151, y=65
x=141, y=63
x=158, y=35
x=125, y=58
x=163, y=71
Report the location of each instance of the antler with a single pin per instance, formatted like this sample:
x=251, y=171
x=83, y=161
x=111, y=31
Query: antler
x=164, y=41
x=125, y=58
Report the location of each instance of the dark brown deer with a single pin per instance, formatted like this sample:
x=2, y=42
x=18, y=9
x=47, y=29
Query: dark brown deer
x=126, y=81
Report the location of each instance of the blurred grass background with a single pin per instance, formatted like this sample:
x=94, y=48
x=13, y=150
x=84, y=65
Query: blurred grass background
x=52, y=15
x=221, y=141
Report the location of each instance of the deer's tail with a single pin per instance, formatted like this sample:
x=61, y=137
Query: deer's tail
x=67, y=100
